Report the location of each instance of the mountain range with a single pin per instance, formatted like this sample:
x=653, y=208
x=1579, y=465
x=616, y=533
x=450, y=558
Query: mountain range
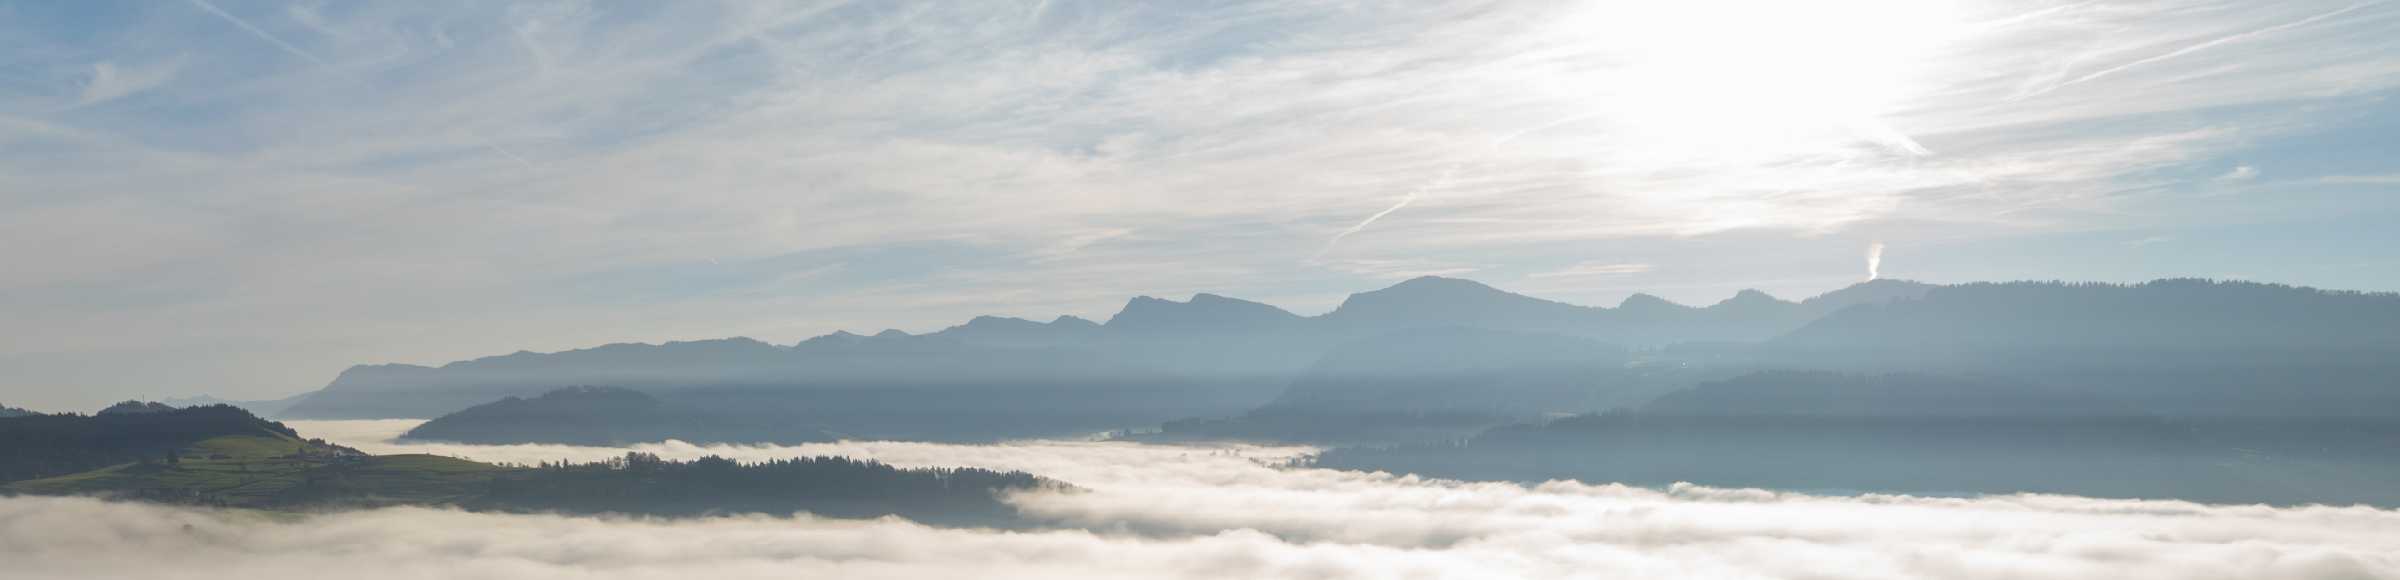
x=1156, y=360
x=1438, y=358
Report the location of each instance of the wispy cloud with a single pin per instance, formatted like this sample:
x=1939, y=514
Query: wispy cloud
x=1590, y=269
x=465, y=154
x=2208, y=44
x=256, y=31
x=109, y=81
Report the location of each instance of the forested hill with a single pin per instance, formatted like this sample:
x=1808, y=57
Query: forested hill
x=35, y=446
x=838, y=487
x=223, y=456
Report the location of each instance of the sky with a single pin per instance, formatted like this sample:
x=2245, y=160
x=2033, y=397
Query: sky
x=1151, y=511
x=242, y=198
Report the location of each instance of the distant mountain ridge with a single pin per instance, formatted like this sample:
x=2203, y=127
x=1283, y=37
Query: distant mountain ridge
x=1214, y=366
x=1244, y=351
x=601, y=416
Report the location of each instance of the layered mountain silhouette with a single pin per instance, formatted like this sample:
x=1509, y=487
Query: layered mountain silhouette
x=604, y=416
x=2178, y=347
x=1923, y=434
x=1156, y=360
x=1442, y=358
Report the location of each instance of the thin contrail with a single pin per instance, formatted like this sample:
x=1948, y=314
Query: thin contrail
x=255, y=31
x=1445, y=178
x=2205, y=45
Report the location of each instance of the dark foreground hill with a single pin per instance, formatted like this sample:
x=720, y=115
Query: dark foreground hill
x=35, y=445
x=1925, y=434
x=276, y=469
x=602, y=416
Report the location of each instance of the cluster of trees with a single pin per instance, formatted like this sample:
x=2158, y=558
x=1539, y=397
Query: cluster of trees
x=641, y=483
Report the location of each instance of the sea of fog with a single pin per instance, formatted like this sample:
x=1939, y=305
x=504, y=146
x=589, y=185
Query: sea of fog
x=1150, y=511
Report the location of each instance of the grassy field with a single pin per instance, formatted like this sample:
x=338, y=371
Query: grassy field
x=274, y=470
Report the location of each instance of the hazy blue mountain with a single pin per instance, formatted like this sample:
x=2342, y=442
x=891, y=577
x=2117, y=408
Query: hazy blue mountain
x=262, y=408
x=1923, y=434
x=2178, y=347
x=1154, y=360
x=602, y=416
x=2174, y=347
x=2164, y=315
x=1019, y=332
x=1830, y=394
x=1877, y=291
x=7, y=412
x=1203, y=314
x=1641, y=320
x=1433, y=383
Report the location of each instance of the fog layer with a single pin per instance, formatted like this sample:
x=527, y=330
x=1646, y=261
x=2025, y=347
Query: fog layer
x=1221, y=512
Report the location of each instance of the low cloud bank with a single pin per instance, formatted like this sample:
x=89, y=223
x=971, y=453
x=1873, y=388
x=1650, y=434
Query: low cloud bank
x=1223, y=512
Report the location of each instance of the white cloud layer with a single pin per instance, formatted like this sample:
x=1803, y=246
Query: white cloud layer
x=1196, y=512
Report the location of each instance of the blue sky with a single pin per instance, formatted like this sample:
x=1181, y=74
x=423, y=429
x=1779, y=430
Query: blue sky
x=244, y=197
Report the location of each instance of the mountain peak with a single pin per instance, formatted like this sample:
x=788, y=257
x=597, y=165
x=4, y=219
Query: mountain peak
x=1869, y=292
x=1427, y=301
x=1438, y=283
x=1750, y=298
x=1208, y=312
x=1644, y=301
x=135, y=408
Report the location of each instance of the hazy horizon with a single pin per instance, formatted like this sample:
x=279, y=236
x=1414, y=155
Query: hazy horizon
x=1225, y=289
x=249, y=196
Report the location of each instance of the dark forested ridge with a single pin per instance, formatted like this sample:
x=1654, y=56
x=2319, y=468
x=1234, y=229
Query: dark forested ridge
x=602, y=416
x=223, y=456
x=826, y=486
x=136, y=408
x=7, y=412
x=36, y=445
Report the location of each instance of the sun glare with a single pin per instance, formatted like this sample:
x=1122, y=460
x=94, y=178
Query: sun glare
x=1763, y=78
